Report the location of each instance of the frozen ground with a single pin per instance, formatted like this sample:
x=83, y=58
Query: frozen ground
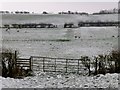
x=89, y=41
x=45, y=80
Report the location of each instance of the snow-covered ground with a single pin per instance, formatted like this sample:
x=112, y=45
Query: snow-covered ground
x=47, y=80
x=89, y=41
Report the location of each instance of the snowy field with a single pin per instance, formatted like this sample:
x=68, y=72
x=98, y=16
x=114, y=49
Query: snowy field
x=60, y=42
x=47, y=80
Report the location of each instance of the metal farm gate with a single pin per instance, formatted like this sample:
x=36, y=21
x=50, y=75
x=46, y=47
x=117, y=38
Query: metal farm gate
x=65, y=65
x=48, y=64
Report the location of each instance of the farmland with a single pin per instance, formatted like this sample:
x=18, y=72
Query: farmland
x=71, y=43
x=55, y=18
x=60, y=43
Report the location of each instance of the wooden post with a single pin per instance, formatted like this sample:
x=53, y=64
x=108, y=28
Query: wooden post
x=89, y=66
x=30, y=63
x=78, y=66
x=96, y=66
x=55, y=65
x=43, y=64
x=10, y=62
x=15, y=59
x=66, y=65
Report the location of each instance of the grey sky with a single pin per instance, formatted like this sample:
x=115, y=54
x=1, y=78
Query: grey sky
x=38, y=7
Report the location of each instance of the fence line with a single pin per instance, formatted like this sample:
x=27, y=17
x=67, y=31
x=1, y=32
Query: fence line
x=101, y=64
x=49, y=64
x=66, y=65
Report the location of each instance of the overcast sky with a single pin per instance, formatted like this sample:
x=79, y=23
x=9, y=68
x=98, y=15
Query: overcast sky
x=55, y=7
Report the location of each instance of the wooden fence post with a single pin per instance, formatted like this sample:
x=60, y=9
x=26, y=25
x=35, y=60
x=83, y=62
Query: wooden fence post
x=30, y=64
x=43, y=64
x=78, y=66
x=89, y=67
x=66, y=65
x=15, y=59
x=115, y=65
x=55, y=65
x=96, y=66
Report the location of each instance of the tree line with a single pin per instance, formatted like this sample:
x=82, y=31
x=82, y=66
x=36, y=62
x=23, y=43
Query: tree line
x=65, y=25
x=16, y=12
x=112, y=11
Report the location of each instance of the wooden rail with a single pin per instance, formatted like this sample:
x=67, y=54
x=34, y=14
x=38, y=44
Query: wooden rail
x=23, y=62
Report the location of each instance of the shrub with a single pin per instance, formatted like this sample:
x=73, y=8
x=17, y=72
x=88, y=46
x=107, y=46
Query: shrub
x=103, y=63
x=86, y=62
x=115, y=56
x=8, y=62
x=109, y=63
x=9, y=67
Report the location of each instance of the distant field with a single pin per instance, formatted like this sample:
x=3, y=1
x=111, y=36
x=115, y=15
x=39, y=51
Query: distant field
x=70, y=43
x=60, y=42
x=55, y=18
